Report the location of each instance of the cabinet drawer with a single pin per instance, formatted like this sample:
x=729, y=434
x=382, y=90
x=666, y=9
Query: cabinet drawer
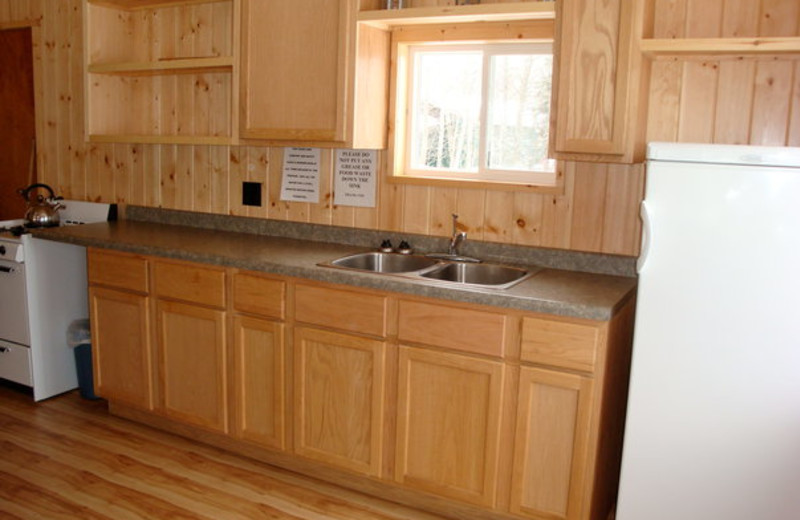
x=256, y=294
x=340, y=309
x=560, y=344
x=15, y=363
x=191, y=283
x=467, y=330
x=121, y=270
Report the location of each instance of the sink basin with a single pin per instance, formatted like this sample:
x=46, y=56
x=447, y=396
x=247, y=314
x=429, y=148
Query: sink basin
x=490, y=275
x=384, y=262
x=434, y=270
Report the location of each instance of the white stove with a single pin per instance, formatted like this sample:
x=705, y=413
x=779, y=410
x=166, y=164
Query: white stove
x=10, y=241
x=43, y=288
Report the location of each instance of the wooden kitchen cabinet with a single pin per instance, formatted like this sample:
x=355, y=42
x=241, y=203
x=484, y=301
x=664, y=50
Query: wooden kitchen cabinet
x=570, y=415
x=460, y=408
x=258, y=372
x=310, y=74
x=120, y=321
x=259, y=360
x=121, y=353
x=339, y=399
x=550, y=454
x=600, y=82
x=449, y=420
x=162, y=71
x=191, y=346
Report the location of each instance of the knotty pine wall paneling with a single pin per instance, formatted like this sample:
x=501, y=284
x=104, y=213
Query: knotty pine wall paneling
x=725, y=100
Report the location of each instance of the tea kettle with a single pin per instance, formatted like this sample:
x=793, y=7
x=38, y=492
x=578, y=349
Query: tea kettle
x=41, y=212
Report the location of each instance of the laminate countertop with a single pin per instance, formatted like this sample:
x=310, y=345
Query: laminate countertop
x=551, y=291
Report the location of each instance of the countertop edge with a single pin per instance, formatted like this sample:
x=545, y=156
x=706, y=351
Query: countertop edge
x=507, y=299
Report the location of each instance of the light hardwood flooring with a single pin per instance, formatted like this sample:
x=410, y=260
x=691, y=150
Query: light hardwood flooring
x=67, y=458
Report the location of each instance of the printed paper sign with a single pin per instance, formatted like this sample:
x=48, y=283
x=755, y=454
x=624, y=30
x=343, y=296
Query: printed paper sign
x=300, y=175
x=355, y=178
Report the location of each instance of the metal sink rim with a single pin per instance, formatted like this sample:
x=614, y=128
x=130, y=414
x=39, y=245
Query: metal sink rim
x=462, y=274
x=380, y=258
x=427, y=275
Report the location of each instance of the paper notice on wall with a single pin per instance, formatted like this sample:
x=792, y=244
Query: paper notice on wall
x=300, y=175
x=355, y=178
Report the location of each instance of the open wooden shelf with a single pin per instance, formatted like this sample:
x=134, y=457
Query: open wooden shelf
x=388, y=18
x=176, y=66
x=720, y=46
x=163, y=77
x=133, y=5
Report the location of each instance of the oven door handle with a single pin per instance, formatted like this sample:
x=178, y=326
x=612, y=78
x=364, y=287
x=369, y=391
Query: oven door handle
x=6, y=269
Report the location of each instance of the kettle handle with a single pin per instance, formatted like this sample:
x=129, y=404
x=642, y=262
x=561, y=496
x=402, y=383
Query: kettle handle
x=25, y=192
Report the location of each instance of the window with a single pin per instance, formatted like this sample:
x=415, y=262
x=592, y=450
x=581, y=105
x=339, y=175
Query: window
x=474, y=111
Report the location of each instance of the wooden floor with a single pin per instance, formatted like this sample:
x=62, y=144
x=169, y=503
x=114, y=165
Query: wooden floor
x=67, y=458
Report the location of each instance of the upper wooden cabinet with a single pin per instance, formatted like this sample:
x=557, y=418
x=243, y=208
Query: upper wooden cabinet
x=599, y=86
x=161, y=71
x=310, y=74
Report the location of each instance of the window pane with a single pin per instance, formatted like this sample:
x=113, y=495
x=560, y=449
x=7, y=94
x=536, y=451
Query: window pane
x=446, y=110
x=519, y=112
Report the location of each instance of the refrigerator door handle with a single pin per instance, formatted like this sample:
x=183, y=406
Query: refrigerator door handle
x=646, y=237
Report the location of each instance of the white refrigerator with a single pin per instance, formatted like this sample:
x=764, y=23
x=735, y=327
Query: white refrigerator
x=713, y=424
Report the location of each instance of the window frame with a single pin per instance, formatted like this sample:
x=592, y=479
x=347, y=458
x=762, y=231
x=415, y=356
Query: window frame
x=406, y=37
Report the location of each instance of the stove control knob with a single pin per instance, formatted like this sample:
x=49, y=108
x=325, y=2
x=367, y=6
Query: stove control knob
x=2, y=250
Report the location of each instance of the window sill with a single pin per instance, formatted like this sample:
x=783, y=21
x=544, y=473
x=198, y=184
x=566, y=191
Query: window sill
x=482, y=184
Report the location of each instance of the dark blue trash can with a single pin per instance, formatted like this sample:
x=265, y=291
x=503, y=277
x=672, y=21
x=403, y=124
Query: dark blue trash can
x=79, y=338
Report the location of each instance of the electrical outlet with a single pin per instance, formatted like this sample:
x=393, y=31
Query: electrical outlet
x=251, y=194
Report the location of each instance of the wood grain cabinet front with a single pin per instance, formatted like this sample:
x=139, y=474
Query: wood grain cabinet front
x=449, y=420
x=339, y=399
x=550, y=451
x=121, y=348
x=192, y=342
x=120, y=317
x=600, y=86
x=193, y=364
x=342, y=309
x=259, y=359
x=258, y=373
x=570, y=344
x=458, y=328
x=310, y=74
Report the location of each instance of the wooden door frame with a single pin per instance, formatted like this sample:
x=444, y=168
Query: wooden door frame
x=38, y=89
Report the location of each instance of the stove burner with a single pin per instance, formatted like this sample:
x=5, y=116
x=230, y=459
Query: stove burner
x=15, y=230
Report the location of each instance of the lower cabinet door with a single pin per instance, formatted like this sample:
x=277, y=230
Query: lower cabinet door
x=193, y=364
x=449, y=424
x=259, y=381
x=339, y=398
x=121, y=351
x=551, y=444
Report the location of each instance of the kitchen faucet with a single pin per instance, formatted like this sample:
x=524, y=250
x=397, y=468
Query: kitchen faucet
x=457, y=238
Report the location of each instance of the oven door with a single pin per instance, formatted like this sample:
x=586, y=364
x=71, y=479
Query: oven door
x=13, y=304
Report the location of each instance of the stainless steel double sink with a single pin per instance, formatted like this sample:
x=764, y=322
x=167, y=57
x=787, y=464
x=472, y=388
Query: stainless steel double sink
x=435, y=270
